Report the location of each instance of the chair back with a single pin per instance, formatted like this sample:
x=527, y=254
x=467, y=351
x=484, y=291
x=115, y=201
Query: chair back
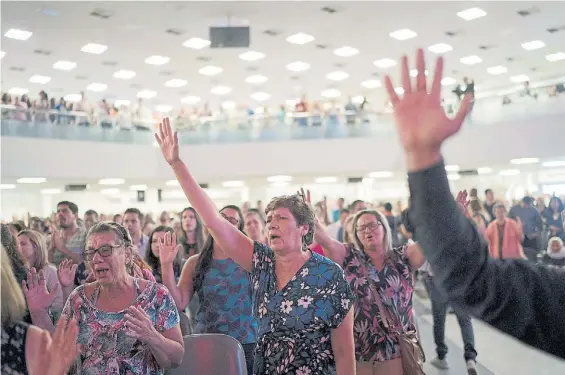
x=185, y=326
x=211, y=354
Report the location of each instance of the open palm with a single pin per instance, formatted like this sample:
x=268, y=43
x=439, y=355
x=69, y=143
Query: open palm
x=59, y=352
x=66, y=272
x=35, y=290
x=168, y=248
x=420, y=119
x=168, y=141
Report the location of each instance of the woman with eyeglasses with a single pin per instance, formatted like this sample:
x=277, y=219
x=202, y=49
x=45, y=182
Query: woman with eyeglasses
x=127, y=325
x=222, y=286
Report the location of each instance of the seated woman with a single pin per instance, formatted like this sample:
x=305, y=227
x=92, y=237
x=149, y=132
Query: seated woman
x=26, y=349
x=301, y=299
x=372, y=266
x=555, y=254
x=152, y=257
x=209, y=274
x=127, y=325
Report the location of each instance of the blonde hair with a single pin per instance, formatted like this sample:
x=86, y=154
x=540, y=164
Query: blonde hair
x=39, y=246
x=13, y=302
x=387, y=240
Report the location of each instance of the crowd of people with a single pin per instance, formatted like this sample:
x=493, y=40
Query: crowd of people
x=303, y=289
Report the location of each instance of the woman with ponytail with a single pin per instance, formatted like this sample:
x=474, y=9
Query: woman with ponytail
x=223, y=287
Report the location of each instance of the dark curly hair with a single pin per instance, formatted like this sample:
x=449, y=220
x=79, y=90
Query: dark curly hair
x=302, y=213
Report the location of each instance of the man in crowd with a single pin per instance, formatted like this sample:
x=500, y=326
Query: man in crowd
x=132, y=221
x=531, y=220
x=90, y=218
x=67, y=243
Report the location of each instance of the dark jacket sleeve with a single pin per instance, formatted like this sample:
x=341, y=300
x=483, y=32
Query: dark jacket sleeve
x=517, y=297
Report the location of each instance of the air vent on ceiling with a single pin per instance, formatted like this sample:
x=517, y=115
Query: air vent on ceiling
x=76, y=187
x=468, y=172
x=17, y=68
x=510, y=59
x=329, y=10
x=252, y=69
x=42, y=52
x=534, y=69
x=485, y=47
x=166, y=73
x=101, y=14
x=528, y=12
x=354, y=180
x=204, y=58
x=272, y=32
x=204, y=186
x=135, y=86
x=321, y=46
x=340, y=65
x=376, y=75
x=451, y=33
x=176, y=32
x=295, y=78
x=109, y=63
x=81, y=78
x=554, y=30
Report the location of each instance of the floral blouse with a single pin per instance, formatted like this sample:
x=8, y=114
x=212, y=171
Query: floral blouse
x=105, y=347
x=295, y=323
x=395, y=284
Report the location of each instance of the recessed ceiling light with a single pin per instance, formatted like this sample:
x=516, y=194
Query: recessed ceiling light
x=176, y=82
x=453, y=176
x=256, y=79
x=251, y=56
x=138, y=187
x=471, y=14
x=279, y=178
x=172, y=183
x=94, y=48
x=110, y=191
x=452, y=168
x=384, y=63
x=164, y=108
x=233, y=183
x=403, y=34
x=440, y=48
x=300, y=38
x=221, y=90
x=228, y=105
x=326, y=180
x=358, y=99
x=484, y=170
x=371, y=83
x=121, y=102
x=552, y=164
x=124, y=74
x=346, y=51
x=146, y=94
x=555, y=56
x=7, y=186
x=414, y=73
x=31, y=180
x=471, y=60
x=42, y=80
x=190, y=99
x=534, y=44
x=97, y=87
x=399, y=90
x=2, y=54
x=50, y=191
x=446, y=81
x=196, y=43
x=519, y=78
x=157, y=60
x=210, y=70
x=331, y=93
x=381, y=174
x=18, y=91
x=521, y=161
x=260, y=96
x=18, y=34
x=111, y=181
x=509, y=172
x=64, y=65
x=337, y=76
x=298, y=66
x=279, y=184
x=496, y=70
x=73, y=98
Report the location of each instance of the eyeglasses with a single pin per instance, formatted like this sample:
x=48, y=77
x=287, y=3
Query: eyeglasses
x=104, y=251
x=370, y=226
x=232, y=220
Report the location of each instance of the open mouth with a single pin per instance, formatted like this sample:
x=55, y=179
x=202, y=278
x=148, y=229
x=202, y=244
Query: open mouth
x=274, y=237
x=101, y=272
x=370, y=237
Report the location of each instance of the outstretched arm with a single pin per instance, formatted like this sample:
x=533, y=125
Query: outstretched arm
x=234, y=243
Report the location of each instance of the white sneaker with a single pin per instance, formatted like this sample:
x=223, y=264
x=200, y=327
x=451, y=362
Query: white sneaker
x=472, y=367
x=442, y=364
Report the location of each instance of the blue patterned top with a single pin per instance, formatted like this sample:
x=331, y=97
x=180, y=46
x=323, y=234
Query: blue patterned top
x=225, y=302
x=295, y=323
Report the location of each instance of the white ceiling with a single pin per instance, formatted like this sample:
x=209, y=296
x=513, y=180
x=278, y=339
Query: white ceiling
x=137, y=30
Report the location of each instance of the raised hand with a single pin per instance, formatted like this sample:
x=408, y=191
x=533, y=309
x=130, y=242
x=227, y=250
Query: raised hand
x=420, y=119
x=168, y=142
x=168, y=248
x=139, y=325
x=38, y=298
x=306, y=196
x=66, y=273
x=462, y=200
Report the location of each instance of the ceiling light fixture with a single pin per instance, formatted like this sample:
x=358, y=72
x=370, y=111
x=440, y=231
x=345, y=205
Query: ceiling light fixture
x=414, y=73
x=231, y=184
x=471, y=60
x=110, y=191
x=172, y=183
x=138, y=187
x=452, y=168
x=520, y=78
x=484, y=170
x=18, y=91
x=471, y=14
x=210, y=70
x=50, y=191
x=18, y=34
x=521, y=161
x=326, y=180
x=300, y=38
x=221, y=90
x=381, y=174
x=31, y=180
x=496, y=70
x=446, y=81
x=64, y=65
x=94, y=48
x=176, y=82
x=331, y=93
x=251, y=56
x=358, y=99
x=124, y=74
x=453, y=176
x=164, y=108
x=196, y=43
x=2, y=54
x=552, y=164
x=256, y=79
x=403, y=34
x=111, y=181
x=7, y=186
x=371, y=83
x=440, y=48
x=260, y=96
x=346, y=51
x=42, y=80
x=533, y=45
x=337, y=76
x=555, y=57
x=146, y=94
x=73, y=98
x=298, y=66
x=97, y=87
x=279, y=178
x=509, y=172
x=157, y=60
x=384, y=63
x=228, y=105
x=121, y=102
x=191, y=99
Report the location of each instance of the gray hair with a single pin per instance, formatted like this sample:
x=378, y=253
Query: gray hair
x=387, y=241
x=499, y=205
x=119, y=231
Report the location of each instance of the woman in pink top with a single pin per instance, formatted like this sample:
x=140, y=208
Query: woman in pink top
x=504, y=235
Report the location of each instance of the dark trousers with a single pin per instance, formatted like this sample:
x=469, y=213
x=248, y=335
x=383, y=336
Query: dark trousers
x=439, y=311
x=249, y=349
